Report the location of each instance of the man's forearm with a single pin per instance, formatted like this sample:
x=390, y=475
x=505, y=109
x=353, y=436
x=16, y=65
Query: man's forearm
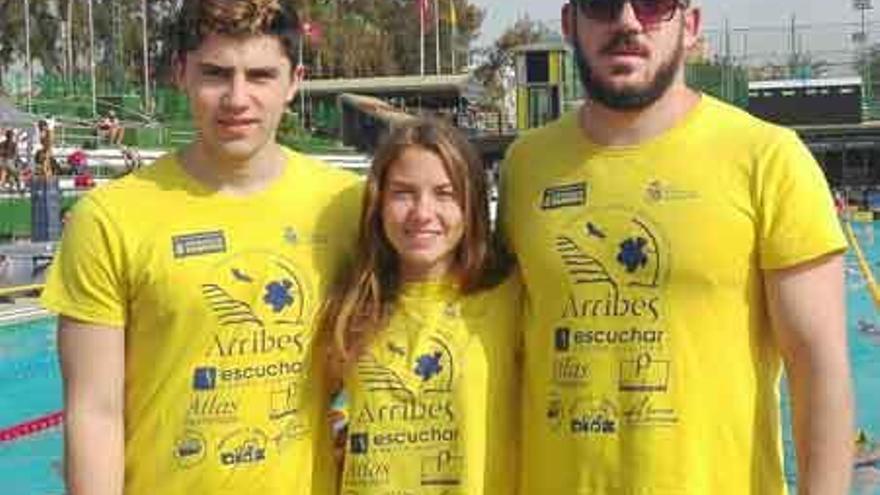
x=823, y=428
x=94, y=454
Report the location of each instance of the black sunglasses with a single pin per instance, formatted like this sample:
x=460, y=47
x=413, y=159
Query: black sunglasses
x=648, y=12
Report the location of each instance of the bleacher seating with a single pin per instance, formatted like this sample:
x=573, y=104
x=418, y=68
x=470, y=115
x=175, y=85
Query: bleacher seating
x=109, y=162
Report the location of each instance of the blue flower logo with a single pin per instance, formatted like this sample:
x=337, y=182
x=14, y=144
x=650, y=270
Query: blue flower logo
x=632, y=254
x=428, y=366
x=278, y=295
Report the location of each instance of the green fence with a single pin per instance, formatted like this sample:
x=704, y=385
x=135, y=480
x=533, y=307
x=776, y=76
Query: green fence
x=15, y=215
x=726, y=82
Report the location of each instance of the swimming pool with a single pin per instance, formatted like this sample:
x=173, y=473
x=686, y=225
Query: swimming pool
x=30, y=387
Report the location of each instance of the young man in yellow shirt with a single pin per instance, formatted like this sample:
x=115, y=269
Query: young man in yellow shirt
x=677, y=252
x=187, y=289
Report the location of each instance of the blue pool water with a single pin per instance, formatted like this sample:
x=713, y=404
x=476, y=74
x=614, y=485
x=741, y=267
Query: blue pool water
x=30, y=387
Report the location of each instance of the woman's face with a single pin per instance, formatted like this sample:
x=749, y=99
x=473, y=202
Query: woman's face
x=421, y=214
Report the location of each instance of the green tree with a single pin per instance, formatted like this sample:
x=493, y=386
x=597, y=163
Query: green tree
x=381, y=37
x=43, y=26
x=499, y=58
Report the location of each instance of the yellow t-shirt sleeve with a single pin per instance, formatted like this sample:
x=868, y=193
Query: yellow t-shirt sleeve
x=506, y=200
x=85, y=281
x=797, y=220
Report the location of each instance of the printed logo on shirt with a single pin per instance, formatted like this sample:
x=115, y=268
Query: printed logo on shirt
x=644, y=373
x=205, y=378
x=570, y=370
x=410, y=410
x=294, y=428
x=589, y=417
x=284, y=399
x=199, y=244
x=209, y=378
x=243, y=447
x=565, y=196
x=429, y=435
x=190, y=449
x=360, y=443
x=443, y=468
x=255, y=343
x=657, y=191
x=562, y=339
x=645, y=412
x=633, y=260
x=616, y=265
x=261, y=308
x=566, y=339
x=212, y=407
x=432, y=371
x=363, y=471
x=257, y=291
x=555, y=412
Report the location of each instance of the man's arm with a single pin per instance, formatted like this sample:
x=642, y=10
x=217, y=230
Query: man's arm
x=807, y=307
x=93, y=366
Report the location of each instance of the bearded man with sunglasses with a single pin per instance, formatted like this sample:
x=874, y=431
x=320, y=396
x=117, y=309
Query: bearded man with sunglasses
x=677, y=252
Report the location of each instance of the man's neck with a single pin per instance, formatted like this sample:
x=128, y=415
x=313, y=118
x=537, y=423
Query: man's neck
x=609, y=127
x=224, y=174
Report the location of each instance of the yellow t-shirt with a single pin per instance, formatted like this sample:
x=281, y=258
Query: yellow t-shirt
x=432, y=402
x=216, y=295
x=650, y=363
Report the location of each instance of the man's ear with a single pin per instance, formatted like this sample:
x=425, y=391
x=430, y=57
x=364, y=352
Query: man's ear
x=298, y=74
x=693, y=25
x=178, y=68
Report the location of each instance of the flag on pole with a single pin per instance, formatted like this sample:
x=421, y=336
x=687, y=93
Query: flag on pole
x=424, y=9
x=453, y=38
x=453, y=17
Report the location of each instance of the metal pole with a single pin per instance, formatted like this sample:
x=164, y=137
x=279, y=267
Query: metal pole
x=27, y=45
x=437, y=36
x=146, y=42
x=92, y=61
x=69, y=49
x=422, y=37
x=453, y=37
x=302, y=95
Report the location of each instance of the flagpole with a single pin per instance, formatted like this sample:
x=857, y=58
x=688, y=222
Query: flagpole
x=27, y=44
x=92, y=61
x=437, y=36
x=147, y=105
x=453, y=37
x=422, y=36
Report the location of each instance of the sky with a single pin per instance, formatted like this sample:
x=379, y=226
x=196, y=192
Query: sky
x=741, y=13
x=824, y=27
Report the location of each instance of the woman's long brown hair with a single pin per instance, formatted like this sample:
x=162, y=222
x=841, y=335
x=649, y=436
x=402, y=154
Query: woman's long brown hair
x=361, y=302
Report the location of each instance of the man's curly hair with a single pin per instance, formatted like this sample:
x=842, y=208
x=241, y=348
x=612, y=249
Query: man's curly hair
x=199, y=18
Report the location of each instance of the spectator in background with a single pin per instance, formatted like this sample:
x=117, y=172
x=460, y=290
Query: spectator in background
x=78, y=162
x=8, y=152
x=132, y=158
x=110, y=129
x=46, y=161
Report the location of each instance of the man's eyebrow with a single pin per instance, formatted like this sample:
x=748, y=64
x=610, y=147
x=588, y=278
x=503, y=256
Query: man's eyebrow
x=262, y=71
x=267, y=71
x=212, y=68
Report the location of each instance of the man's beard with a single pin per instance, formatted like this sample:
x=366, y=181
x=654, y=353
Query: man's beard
x=629, y=99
